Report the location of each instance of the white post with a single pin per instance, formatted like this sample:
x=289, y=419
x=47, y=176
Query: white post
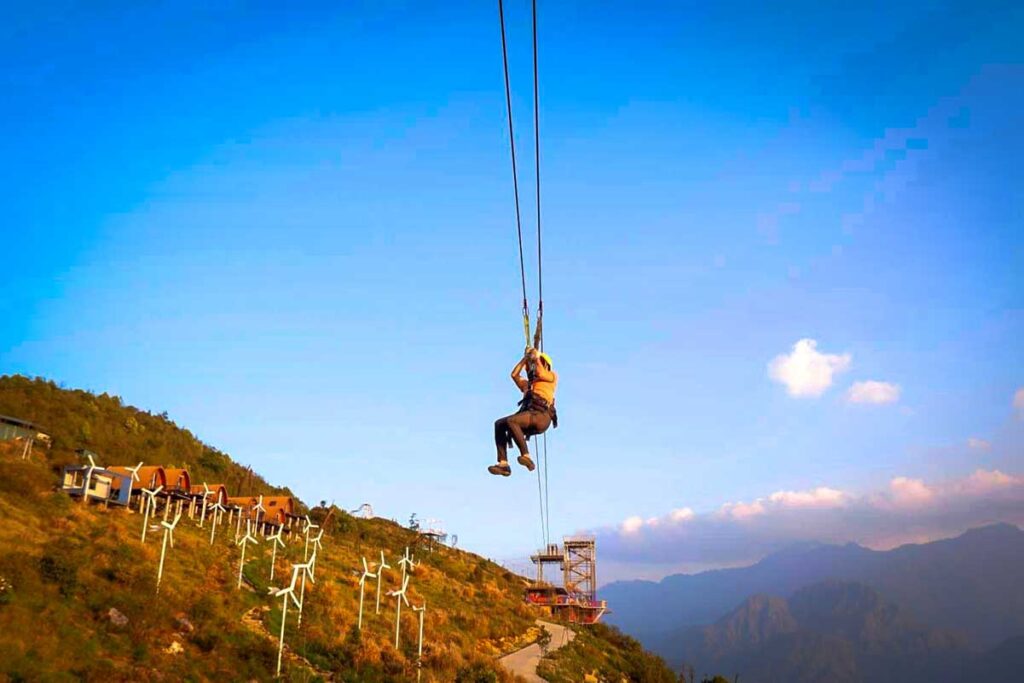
x=273, y=558
x=241, y=563
x=302, y=597
x=419, y=653
x=160, y=572
x=280, y=642
x=145, y=520
x=362, y=589
x=398, y=618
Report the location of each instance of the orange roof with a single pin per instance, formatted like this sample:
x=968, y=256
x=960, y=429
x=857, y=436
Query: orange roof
x=149, y=476
x=277, y=507
x=219, y=491
x=178, y=479
x=274, y=503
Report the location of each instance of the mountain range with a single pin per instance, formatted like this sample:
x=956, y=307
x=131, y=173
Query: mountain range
x=841, y=632
x=820, y=612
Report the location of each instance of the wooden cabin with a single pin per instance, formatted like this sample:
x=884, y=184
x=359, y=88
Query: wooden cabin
x=177, y=480
x=278, y=508
x=103, y=486
x=149, y=477
x=13, y=428
x=219, y=493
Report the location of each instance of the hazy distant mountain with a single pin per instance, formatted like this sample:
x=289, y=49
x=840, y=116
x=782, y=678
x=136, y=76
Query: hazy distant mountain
x=970, y=585
x=840, y=632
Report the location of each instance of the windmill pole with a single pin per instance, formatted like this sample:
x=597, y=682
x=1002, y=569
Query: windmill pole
x=280, y=642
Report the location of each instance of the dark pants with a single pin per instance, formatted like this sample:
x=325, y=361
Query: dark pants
x=520, y=427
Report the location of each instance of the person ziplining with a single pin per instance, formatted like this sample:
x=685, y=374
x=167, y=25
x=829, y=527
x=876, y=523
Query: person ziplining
x=536, y=410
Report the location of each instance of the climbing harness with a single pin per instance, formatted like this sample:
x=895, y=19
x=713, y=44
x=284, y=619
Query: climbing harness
x=538, y=333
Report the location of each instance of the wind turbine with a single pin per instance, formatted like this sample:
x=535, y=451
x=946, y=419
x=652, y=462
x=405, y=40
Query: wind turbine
x=422, y=609
x=150, y=505
x=289, y=593
x=218, y=510
x=238, y=524
x=309, y=571
x=380, y=577
x=260, y=511
x=275, y=540
x=88, y=475
x=206, y=494
x=135, y=477
x=244, y=542
x=309, y=525
x=406, y=563
x=318, y=547
x=400, y=597
x=168, y=534
x=367, y=574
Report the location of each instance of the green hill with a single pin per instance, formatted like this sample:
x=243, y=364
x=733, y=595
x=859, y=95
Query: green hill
x=78, y=589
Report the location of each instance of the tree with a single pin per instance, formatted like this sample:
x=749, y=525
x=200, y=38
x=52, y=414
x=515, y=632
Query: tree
x=414, y=523
x=544, y=640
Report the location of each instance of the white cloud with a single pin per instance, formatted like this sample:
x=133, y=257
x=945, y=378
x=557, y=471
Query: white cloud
x=982, y=482
x=1018, y=402
x=805, y=371
x=632, y=524
x=906, y=510
x=908, y=492
x=872, y=391
x=681, y=514
x=744, y=510
x=976, y=444
x=821, y=497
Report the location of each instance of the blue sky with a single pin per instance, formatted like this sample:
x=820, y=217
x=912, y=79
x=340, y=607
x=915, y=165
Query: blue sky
x=293, y=230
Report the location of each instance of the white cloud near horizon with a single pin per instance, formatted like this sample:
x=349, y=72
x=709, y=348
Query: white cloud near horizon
x=978, y=444
x=906, y=510
x=873, y=391
x=805, y=371
x=1018, y=403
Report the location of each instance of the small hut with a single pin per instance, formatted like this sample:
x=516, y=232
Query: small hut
x=149, y=477
x=100, y=484
x=278, y=509
x=177, y=480
x=219, y=491
x=14, y=429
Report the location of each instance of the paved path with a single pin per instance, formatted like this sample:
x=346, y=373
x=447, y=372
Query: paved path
x=524, y=662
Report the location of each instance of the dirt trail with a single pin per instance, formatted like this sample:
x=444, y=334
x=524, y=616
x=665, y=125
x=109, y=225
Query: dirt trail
x=524, y=662
x=253, y=621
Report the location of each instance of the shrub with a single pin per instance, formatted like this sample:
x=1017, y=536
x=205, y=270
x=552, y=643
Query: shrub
x=476, y=673
x=58, y=566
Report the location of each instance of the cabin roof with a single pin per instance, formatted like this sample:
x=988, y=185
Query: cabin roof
x=18, y=422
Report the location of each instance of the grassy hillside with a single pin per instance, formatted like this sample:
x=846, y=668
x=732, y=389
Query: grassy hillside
x=603, y=654
x=77, y=587
x=120, y=434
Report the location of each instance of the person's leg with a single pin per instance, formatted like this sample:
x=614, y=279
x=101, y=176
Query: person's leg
x=501, y=444
x=501, y=438
x=517, y=425
x=522, y=425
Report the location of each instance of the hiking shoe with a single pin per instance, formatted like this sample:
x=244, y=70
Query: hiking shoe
x=501, y=469
x=525, y=461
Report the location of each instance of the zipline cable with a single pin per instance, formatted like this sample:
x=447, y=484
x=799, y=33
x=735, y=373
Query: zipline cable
x=540, y=498
x=515, y=173
x=539, y=335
